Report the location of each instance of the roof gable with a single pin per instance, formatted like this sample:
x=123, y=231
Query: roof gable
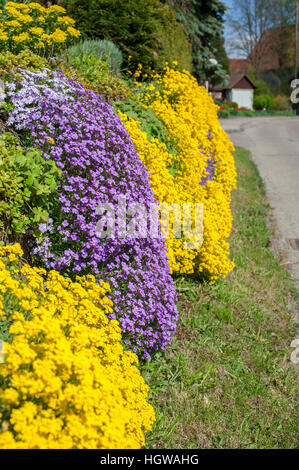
x=240, y=81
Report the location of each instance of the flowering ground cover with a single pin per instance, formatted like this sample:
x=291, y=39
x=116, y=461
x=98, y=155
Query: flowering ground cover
x=87, y=141
x=201, y=169
x=98, y=157
x=94, y=284
x=67, y=381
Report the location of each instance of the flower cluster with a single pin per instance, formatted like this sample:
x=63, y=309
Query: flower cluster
x=99, y=162
x=35, y=27
x=202, y=170
x=66, y=381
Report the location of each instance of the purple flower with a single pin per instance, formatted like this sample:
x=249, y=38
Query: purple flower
x=88, y=141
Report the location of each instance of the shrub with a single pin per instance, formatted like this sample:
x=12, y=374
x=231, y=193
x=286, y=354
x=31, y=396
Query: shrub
x=223, y=113
x=282, y=103
x=201, y=171
x=172, y=40
x=81, y=134
x=10, y=62
x=66, y=382
x=95, y=75
x=27, y=184
x=146, y=31
x=263, y=102
x=232, y=104
x=42, y=30
x=101, y=49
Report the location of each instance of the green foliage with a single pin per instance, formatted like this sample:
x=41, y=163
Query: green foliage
x=145, y=30
x=230, y=357
x=262, y=87
x=203, y=22
x=232, y=104
x=282, y=102
x=223, y=113
x=263, y=102
x=101, y=49
x=27, y=184
x=173, y=41
x=279, y=80
x=26, y=59
x=149, y=122
x=95, y=75
x=220, y=54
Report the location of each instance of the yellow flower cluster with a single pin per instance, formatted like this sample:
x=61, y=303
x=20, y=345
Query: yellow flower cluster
x=190, y=117
x=66, y=380
x=35, y=27
x=157, y=160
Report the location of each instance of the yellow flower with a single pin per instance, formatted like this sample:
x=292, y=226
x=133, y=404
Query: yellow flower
x=21, y=37
x=3, y=36
x=13, y=24
x=36, y=6
x=37, y=30
x=58, y=36
x=190, y=120
x=66, y=20
x=67, y=381
x=73, y=32
x=55, y=9
x=20, y=27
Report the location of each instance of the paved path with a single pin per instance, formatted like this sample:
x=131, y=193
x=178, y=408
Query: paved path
x=274, y=144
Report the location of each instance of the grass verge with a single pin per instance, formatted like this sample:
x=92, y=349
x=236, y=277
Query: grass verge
x=227, y=380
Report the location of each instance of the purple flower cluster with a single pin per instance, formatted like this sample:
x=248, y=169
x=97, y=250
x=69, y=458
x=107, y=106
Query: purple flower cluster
x=210, y=166
x=209, y=170
x=99, y=162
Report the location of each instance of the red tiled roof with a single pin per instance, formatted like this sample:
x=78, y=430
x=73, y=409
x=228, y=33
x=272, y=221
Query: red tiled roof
x=238, y=65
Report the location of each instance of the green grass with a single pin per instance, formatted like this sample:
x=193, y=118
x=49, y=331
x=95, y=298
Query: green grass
x=270, y=113
x=227, y=380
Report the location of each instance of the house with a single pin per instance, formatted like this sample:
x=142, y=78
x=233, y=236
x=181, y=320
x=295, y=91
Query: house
x=239, y=89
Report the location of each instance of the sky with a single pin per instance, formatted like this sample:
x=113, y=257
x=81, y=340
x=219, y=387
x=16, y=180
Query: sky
x=235, y=53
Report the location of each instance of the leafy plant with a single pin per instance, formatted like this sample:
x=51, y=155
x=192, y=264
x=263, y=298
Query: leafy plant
x=101, y=49
x=146, y=31
x=203, y=22
x=26, y=59
x=282, y=102
x=147, y=118
x=263, y=102
x=95, y=75
x=27, y=184
x=43, y=30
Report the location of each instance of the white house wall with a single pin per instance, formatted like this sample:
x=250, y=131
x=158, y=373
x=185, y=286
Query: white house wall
x=244, y=98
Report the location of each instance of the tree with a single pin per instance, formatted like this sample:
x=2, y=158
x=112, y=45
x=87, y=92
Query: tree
x=203, y=22
x=258, y=27
x=281, y=43
x=145, y=30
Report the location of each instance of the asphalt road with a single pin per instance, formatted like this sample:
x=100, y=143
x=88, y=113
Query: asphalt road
x=274, y=144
